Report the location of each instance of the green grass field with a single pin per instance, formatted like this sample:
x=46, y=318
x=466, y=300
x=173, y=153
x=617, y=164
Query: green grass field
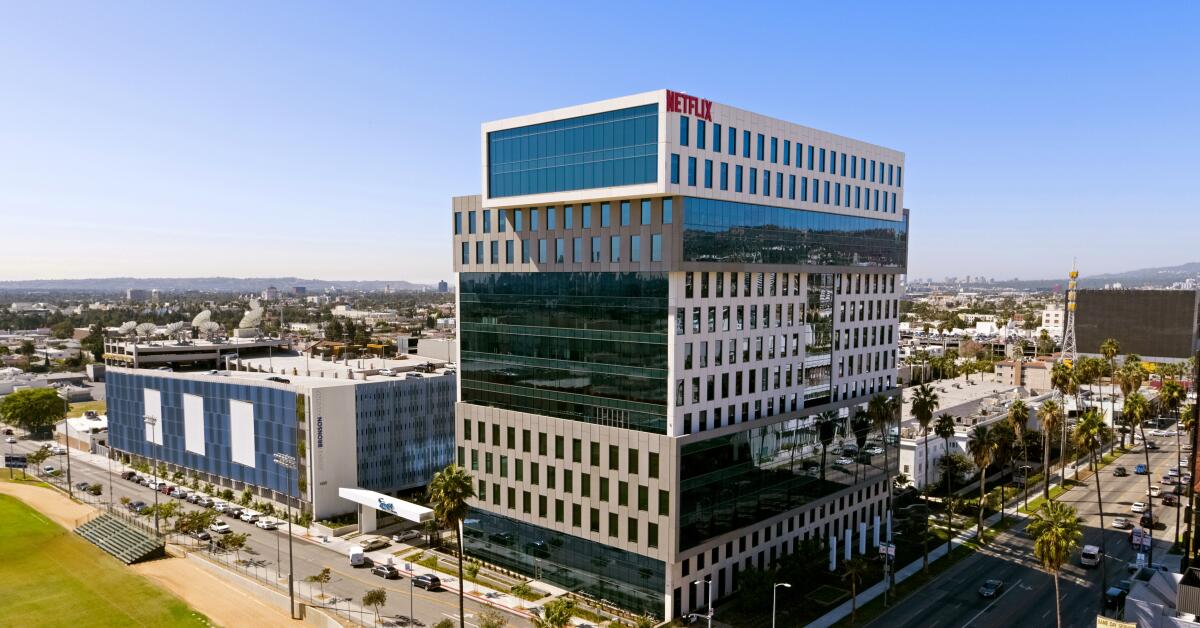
x=51, y=577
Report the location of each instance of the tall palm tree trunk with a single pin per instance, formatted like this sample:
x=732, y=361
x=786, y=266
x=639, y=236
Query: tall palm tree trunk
x=1099, y=504
x=1057, y=602
x=462, y=618
x=1046, y=465
x=926, y=482
x=1149, y=475
x=982, y=501
x=1178, y=456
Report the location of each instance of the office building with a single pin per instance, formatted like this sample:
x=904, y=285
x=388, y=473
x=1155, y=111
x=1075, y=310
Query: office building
x=1158, y=325
x=348, y=426
x=136, y=294
x=660, y=299
x=443, y=287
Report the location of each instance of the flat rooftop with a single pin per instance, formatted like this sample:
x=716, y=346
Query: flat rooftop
x=199, y=343
x=961, y=398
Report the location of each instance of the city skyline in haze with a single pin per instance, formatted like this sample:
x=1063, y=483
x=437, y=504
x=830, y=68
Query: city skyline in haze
x=248, y=141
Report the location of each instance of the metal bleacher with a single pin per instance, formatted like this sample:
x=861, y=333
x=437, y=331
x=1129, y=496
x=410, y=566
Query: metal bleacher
x=125, y=542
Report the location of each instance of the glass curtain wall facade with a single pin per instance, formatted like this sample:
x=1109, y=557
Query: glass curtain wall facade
x=599, y=150
x=405, y=432
x=588, y=347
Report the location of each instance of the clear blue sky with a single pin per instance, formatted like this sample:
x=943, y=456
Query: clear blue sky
x=291, y=138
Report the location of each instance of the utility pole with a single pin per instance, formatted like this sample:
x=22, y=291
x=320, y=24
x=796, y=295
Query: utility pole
x=289, y=463
x=67, y=431
x=152, y=421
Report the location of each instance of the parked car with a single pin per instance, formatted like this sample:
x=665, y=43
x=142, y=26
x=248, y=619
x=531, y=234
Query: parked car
x=1121, y=523
x=205, y=501
x=279, y=380
x=387, y=372
x=201, y=535
x=1173, y=471
x=1120, y=472
x=1168, y=479
x=235, y=511
x=8, y=431
x=991, y=588
x=874, y=450
x=844, y=461
x=406, y=535
x=165, y=488
x=1138, y=507
x=427, y=581
x=372, y=543
x=220, y=527
x=387, y=572
x=250, y=516
x=132, y=476
x=220, y=506
x=48, y=469
x=267, y=524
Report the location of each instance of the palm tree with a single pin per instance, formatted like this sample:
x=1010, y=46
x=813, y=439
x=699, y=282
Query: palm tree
x=1050, y=414
x=1171, y=397
x=1056, y=530
x=1005, y=453
x=925, y=402
x=1018, y=419
x=1110, y=349
x=1136, y=411
x=448, y=493
x=853, y=571
x=982, y=445
x=1091, y=433
x=945, y=429
x=1065, y=380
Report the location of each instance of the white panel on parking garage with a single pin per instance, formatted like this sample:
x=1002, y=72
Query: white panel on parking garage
x=193, y=423
x=152, y=399
x=241, y=432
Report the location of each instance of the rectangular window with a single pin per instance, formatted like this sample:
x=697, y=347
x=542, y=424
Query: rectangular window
x=761, y=146
x=615, y=252
x=746, y=144
x=787, y=152
x=872, y=171
x=833, y=162
x=666, y=211
x=652, y=535
x=737, y=178
x=778, y=185
x=495, y=251
x=645, y=211
x=853, y=167
x=822, y=167
x=674, y=168
x=707, y=174
x=577, y=250
x=716, y=138
x=664, y=503
x=533, y=219
x=541, y=251
x=551, y=222
x=585, y=214
x=804, y=188
x=843, y=164
x=791, y=187
x=652, y=464
x=466, y=252
x=470, y=222
x=684, y=123
x=890, y=172
x=732, y=141
x=811, y=152
x=596, y=252
x=457, y=223
x=691, y=171
x=826, y=195
x=625, y=217
x=701, y=134
x=613, y=530
x=560, y=252
x=479, y=252
x=605, y=214
x=754, y=180
x=635, y=248
x=724, y=176
x=766, y=182
x=568, y=217
x=899, y=176
x=774, y=150
x=656, y=247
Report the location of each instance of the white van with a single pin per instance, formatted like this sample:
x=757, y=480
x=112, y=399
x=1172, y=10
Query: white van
x=1090, y=556
x=357, y=557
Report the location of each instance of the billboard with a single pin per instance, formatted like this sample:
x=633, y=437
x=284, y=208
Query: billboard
x=1150, y=323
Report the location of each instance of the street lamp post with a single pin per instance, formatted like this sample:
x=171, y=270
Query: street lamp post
x=67, y=428
x=152, y=421
x=289, y=463
x=774, y=593
x=708, y=582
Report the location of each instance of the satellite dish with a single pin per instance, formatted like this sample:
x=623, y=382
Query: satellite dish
x=251, y=319
x=201, y=318
x=146, y=329
x=209, y=328
x=174, y=328
x=126, y=328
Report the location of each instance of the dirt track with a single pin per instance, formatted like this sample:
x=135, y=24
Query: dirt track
x=223, y=603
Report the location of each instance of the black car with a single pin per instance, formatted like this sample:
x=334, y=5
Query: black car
x=201, y=535
x=427, y=581
x=81, y=486
x=1151, y=445
x=991, y=588
x=1120, y=472
x=279, y=380
x=387, y=572
x=129, y=475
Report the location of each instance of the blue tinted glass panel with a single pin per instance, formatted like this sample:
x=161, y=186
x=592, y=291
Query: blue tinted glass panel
x=667, y=207
x=754, y=180
x=761, y=143
x=599, y=150
x=787, y=152
x=732, y=141
x=745, y=143
x=737, y=178
x=708, y=173
x=674, y=168
x=724, y=176
x=716, y=137
x=701, y=134
x=684, y=123
x=774, y=150
x=691, y=171
x=728, y=231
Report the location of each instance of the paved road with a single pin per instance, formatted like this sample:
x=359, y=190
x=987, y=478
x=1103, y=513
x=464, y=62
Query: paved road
x=310, y=558
x=1028, y=598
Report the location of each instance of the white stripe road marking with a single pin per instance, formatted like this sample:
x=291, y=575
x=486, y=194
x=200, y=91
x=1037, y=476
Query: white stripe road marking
x=989, y=606
x=455, y=617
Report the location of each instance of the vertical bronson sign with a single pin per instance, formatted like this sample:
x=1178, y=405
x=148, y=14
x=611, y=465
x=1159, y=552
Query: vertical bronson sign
x=689, y=105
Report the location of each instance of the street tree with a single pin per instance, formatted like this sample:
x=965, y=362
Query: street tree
x=33, y=409
x=491, y=618
x=233, y=542
x=1091, y=433
x=982, y=445
x=321, y=578
x=853, y=572
x=925, y=402
x=375, y=598
x=1050, y=415
x=945, y=429
x=556, y=613
x=1056, y=530
x=448, y=493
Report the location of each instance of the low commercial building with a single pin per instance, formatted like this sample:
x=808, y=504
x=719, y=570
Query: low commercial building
x=184, y=354
x=347, y=425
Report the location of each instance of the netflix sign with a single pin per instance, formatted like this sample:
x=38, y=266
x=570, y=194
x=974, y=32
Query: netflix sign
x=689, y=105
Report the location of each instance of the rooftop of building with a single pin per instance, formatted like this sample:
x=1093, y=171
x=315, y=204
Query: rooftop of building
x=200, y=343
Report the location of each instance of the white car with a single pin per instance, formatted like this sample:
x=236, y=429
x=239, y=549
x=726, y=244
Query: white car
x=1121, y=523
x=387, y=372
x=220, y=506
x=874, y=450
x=267, y=524
x=220, y=527
x=1138, y=507
x=406, y=535
x=11, y=440
x=249, y=516
x=1154, y=491
x=844, y=461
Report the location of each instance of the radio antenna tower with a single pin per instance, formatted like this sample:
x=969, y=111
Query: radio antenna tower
x=1070, y=352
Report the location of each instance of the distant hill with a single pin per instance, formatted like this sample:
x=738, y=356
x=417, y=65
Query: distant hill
x=204, y=284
